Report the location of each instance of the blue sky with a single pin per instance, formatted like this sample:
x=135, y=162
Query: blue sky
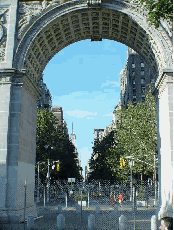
x=84, y=79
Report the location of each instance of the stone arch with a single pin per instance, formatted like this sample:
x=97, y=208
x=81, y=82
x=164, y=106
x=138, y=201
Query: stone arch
x=31, y=33
x=59, y=25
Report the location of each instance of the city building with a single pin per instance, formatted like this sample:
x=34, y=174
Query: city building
x=58, y=113
x=134, y=78
x=45, y=101
x=87, y=169
x=98, y=133
x=72, y=138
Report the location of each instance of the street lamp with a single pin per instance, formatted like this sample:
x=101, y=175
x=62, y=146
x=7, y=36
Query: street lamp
x=48, y=147
x=131, y=163
x=155, y=179
x=38, y=184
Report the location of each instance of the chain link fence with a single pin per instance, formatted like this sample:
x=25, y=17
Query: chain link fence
x=101, y=198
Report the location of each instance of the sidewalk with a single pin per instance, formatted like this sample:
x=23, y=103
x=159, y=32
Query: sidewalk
x=105, y=220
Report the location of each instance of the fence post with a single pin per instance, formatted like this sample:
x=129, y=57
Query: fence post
x=123, y=223
x=91, y=222
x=66, y=200
x=59, y=209
x=97, y=209
x=88, y=199
x=60, y=222
x=154, y=223
x=25, y=194
x=44, y=197
x=30, y=222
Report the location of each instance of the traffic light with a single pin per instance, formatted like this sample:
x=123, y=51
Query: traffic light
x=121, y=162
x=58, y=167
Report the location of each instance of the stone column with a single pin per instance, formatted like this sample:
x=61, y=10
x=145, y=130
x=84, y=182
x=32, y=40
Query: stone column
x=164, y=90
x=18, y=113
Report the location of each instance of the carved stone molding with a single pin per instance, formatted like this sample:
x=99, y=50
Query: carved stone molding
x=19, y=78
x=163, y=81
x=29, y=11
x=4, y=15
x=10, y=76
x=94, y=3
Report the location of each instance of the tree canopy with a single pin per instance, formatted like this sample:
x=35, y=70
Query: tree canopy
x=52, y=142
x=161, y=9
x=134, y=136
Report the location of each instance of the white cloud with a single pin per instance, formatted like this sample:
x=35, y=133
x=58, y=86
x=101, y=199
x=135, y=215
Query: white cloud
x=108, y=115
x=90, y=118
x=80, y=114
x=110, y=84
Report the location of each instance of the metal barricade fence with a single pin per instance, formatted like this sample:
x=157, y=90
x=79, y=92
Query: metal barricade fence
x=101, y=198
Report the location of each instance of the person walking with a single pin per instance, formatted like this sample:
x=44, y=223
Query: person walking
x=113, y=199
x=120, y=197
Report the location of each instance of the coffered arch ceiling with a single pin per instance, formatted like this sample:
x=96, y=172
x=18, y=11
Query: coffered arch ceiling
x=65, y=24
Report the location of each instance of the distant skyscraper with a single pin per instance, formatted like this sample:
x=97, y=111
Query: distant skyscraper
x=72, y=137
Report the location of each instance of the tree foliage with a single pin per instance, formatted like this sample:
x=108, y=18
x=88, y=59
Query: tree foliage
x=100, y=168
x=135, y=136
x=158, y=9
x=52, y=142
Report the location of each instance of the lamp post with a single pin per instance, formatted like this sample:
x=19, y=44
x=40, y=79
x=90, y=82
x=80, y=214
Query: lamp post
x=131, y=163
x=155, y=185
x=48, y=173
x=48, y=147
x=38, y=184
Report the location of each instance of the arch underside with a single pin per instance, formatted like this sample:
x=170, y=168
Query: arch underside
x=93, y=23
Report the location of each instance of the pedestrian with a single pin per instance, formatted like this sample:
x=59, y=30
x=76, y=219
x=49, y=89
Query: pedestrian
x=166, y=223
x=113, y=199
x=147, y=197
x=120, y=197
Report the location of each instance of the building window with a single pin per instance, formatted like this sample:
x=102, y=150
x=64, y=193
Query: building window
x=142, y=80
x=133, y=82
x=134, y=92
x=133, y=73
x=133, y=66
x=142, y=88
x=142, y=64
x=142, y=72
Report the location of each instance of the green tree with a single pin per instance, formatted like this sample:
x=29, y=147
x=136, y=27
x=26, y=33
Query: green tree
x=158, y=9
x=52, y=142
x=100, y=168
x=136, y=132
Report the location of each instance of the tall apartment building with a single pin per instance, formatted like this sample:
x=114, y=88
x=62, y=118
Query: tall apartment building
x=58, y=113
x=45, y=101
x=134, y=78
x=98, y=133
